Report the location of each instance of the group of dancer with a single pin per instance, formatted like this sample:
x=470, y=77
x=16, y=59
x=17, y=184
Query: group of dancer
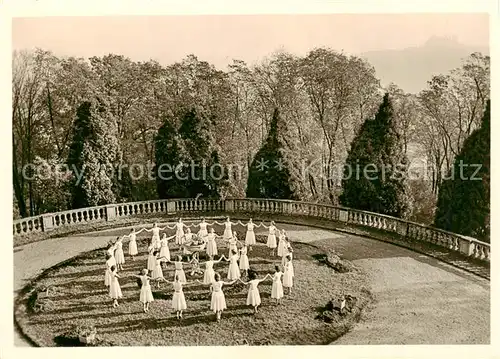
x=190, y=245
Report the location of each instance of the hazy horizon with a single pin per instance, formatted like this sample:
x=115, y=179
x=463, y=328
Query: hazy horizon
x=218, y=39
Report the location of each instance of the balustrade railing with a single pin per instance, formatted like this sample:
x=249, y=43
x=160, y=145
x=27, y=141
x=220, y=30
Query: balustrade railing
x=107, y=213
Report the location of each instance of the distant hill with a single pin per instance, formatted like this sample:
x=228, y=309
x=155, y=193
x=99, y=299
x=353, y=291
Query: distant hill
x=412, y=67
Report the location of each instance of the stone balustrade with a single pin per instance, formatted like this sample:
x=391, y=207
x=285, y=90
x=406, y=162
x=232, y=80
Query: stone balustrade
x=107, y=213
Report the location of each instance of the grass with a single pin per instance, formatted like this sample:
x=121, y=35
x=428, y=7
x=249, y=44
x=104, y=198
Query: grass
x=81, y=299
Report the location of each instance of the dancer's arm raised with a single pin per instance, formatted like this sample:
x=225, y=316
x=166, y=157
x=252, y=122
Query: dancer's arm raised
x=231, y=283
x=263, y=279
x=221, y=258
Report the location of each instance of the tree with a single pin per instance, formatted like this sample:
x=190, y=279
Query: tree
x=464, y=197
x=375, y=173
x=167, y=156
x=93, y=156
x=269, y=176
x=342, y=91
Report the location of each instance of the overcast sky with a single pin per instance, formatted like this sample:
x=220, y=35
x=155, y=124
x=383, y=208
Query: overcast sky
x=219, y=39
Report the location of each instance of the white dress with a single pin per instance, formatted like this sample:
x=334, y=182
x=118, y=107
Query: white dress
x=178, y=299
x=203, y=230
x=179, y=234
x=211, y=245
x=281, y=245
x=288, y=275
x=253, y=297
x=228, y=233
x=250, y=236
x=180, y=272
x=283, y=258
x=218, y=301
x=132, y=245
x=108, y=275
x=120, y=258
x=208, y=277
x=188, y=237
x=151, y=259
x=232, y=247
x=156, y=235
x=244, y=265
x=164, y=250
x=277, y=288
x=234, y=271
x=271, y=238
x=157, y=271
x=115, y=291
x=146, y=294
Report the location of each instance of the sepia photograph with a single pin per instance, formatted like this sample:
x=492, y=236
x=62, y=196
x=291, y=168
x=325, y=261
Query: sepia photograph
x=251, y=180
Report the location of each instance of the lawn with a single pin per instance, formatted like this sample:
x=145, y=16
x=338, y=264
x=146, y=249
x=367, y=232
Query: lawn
x=79, y=298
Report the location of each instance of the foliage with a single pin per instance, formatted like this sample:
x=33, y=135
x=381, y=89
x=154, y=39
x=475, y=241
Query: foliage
x=464, y=197
x=269, y=176
x=94, y=154
x=190, y=152
x=375, y=176
x=323, y=99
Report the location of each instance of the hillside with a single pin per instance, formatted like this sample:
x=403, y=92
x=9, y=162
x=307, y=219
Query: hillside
x=412, y=67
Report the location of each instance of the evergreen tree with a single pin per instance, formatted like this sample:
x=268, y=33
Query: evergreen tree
x=81, y=133
x=196, y=141
x=464, y=197
x=191, y=150
x=376, y=166
x=268, y=175
x=168, y=158
x=94, y=153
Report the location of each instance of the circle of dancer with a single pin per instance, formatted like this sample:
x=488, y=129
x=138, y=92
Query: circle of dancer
x=189, y=245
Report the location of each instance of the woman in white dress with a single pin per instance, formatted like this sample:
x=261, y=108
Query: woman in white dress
x=253, y=297
x=228, y=232
x=232, y=243
x=271, y=237
x=250, y=236
x=211, y=244
x=119, y=256
x=110, y=262
x=157, y=273
x=115, y=291
x=155, y=239
x=218, y=301
x=178, y=300
x=208, y=276
x=277, y=288
x=287, y=252
x=188, y=237
x=146, y=295
x=288, y=274
x=179, y=270
x=282, y=243
x=164, y=250
x=203, y=232
x=132, y=243
x=244, y=264
x=234, y=270
x=151, y=258
x=179, y=232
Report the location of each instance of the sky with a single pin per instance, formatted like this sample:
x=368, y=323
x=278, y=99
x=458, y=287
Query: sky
x=220, y=38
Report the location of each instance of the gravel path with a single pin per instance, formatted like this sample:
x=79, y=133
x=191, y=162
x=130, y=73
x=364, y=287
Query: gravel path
x=418, y=299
